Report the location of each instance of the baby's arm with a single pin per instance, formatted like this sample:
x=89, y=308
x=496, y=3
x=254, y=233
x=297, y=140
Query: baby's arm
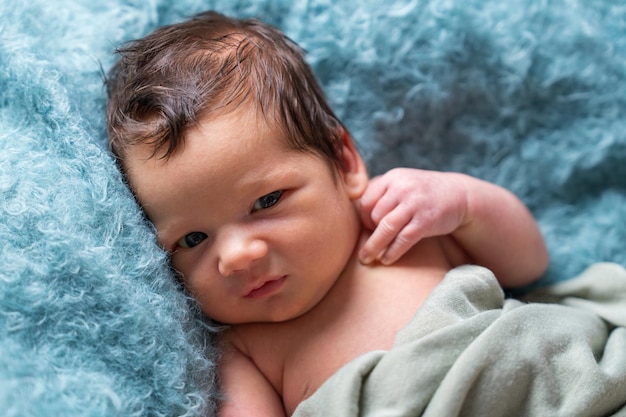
x=486, y=223
x=247, y=393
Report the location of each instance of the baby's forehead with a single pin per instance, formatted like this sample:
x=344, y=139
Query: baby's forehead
x=245, y=125
x=235, y=136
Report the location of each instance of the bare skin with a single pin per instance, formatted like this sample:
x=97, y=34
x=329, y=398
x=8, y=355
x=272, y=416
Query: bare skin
x=360, y=314
x=279, y=245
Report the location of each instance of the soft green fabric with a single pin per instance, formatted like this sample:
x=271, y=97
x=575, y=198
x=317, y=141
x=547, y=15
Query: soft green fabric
x=471, y=352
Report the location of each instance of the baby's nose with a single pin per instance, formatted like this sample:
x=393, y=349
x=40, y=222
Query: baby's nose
x=238, y=250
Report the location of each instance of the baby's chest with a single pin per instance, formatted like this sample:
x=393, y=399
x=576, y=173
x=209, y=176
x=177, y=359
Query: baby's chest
x=310, y=365
x=305, y=353
x=363, y=312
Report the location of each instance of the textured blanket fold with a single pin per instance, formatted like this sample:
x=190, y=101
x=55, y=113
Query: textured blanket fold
x=471, y=352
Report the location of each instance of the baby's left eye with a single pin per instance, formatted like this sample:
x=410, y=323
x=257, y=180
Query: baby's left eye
x=267, y=200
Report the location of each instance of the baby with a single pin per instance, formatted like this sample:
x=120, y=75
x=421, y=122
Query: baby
x=259, y=195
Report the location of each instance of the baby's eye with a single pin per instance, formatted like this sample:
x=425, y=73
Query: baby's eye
x=267, y=200
x=192, y=239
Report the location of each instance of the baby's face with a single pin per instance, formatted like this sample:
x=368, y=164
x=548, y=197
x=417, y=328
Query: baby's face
x=258, y=231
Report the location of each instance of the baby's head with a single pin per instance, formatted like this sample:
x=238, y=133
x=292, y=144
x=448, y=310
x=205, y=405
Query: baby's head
x=231, y=149
x=208, y=65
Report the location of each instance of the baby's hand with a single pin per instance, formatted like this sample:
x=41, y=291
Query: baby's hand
x=406, y=205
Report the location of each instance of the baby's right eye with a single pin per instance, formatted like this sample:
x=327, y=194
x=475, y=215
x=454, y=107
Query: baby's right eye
x=192, y=239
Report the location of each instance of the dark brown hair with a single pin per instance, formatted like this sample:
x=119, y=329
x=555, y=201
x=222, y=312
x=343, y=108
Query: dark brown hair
x=163, y=83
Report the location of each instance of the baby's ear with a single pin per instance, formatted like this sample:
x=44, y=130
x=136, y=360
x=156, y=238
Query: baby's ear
x=353, y=172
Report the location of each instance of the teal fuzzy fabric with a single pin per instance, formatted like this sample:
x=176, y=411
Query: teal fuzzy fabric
x=528, y=94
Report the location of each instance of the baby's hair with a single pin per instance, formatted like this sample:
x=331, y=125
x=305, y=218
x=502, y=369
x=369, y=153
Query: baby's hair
x=166, y=82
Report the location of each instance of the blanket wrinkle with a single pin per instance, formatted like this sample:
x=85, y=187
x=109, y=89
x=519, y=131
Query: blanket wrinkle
x=586, y=291
x=470, y=352
x=443, y=309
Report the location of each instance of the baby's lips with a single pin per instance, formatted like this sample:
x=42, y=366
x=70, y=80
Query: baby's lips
x=264, y=287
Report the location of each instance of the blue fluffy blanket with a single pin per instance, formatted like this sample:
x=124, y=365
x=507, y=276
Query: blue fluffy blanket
x=528, y=94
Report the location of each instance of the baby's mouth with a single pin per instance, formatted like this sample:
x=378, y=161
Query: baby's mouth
x=267, y=288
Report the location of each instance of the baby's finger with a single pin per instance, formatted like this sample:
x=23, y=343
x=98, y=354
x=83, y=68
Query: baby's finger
x=374, y=191
x=404, y=241
x=384, y=233
x=386, y=205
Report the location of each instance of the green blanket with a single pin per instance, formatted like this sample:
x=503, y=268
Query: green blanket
x=471, y=352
